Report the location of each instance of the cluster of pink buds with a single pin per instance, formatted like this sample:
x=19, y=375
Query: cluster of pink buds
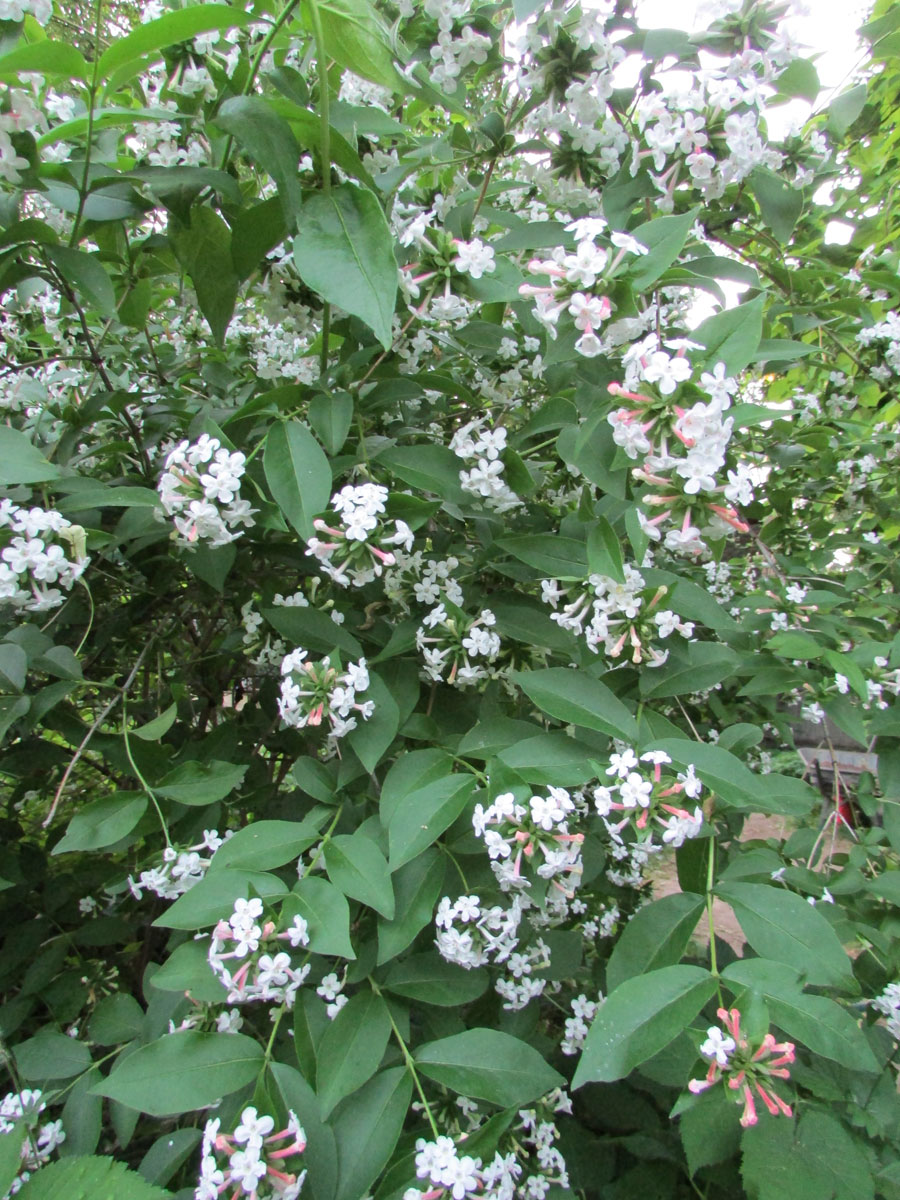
x=683, y=452
x=641, y=798
x=354, y=548
x=255, y=1159
x=732, y=1061
x=257, y=974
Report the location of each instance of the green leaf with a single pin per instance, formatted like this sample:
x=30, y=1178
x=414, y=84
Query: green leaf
x=88, y=1178
x=168, y=30
x=313, y=629
x=430, y=979
x=690, y=668
x=198, y=784
x=254, y=232
x=345, y=252
x=47, y=57
x=604, y=552
x=158, y=727
x=664, y=237
x=710, y=1130
x=800, y=79
x=779, y=203
x=554, y=556
x=411, y=770
x=270, y=142
x=549, y=759
x=486, y=1064
x=327, y=914
x=330, y=417
x=167, y=1154
x=212, y=899
x=182, y=1071
x=417, y=886
x=13, y=667
x=779, y=924
x=11, y=1155
x=116, y=1019
x=656, y=936
x=204, y=250
x=265, y=845
x=187, y=969
x=577, y=699
x=356, y=866
x=298, y=475
x=639, y=1019
x=85, y=274
x=432, y=469
x=320, y=1155
x=103, y=822
x=51, y=1055
x=367, y=1129
x=841, y=1158
x=354, y=37
x=370, y=739
x=421, y=816
x=352, y=1048
x=844, y=109
x=20, y=461
x=732, y=336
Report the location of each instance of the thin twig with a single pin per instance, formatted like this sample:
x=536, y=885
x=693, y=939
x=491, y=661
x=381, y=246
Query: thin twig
x=107, y=709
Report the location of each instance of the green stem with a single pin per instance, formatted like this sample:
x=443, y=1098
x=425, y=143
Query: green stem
x=324, y=151
x=710, y=882
x=459, y=869
x=410, y=1062
x=92, y=97
x=324, y=842
x=143, y=782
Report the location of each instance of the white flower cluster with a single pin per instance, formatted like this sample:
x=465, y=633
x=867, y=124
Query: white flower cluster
x=424, y=579
x=535, y=837
x=888, y=1004
x=687, y=451
x=21, y=114
x=641, y=797
x=354, y=552
x=474, y=441
x=577, y=1026
x=180, y=870
x=24, y=1108
x=451, y=55
x=617, y=617
x=526, y=1171
x=271, y=978
x=31, y=562
x=575, y=282
x=475, y=258
x=887, y=331
x=256, y=1162
x=200, y=491
x=331, y=989
x=313, y=693
x=456, y=648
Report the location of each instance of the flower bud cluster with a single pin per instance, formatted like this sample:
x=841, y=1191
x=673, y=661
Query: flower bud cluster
x=315, y=692
x=457, y=648
x=577, y=1026
x=483, y=447
x=180, y=870
x=31, y=561
x=732, y=1062
x=255, y=1160
x=622, y=618
x=531, y=839
x=200, y=491
x=353, y=553
x=24, y=1108
x=642, y=795
x=685, y=453
x=259, y=975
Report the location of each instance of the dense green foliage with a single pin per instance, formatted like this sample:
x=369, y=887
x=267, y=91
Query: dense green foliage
x=403, y=583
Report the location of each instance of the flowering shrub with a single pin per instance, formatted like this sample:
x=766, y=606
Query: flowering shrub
x=447, y=474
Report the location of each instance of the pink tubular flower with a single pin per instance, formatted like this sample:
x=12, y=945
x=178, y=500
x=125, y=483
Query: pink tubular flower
x=742, y=1070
